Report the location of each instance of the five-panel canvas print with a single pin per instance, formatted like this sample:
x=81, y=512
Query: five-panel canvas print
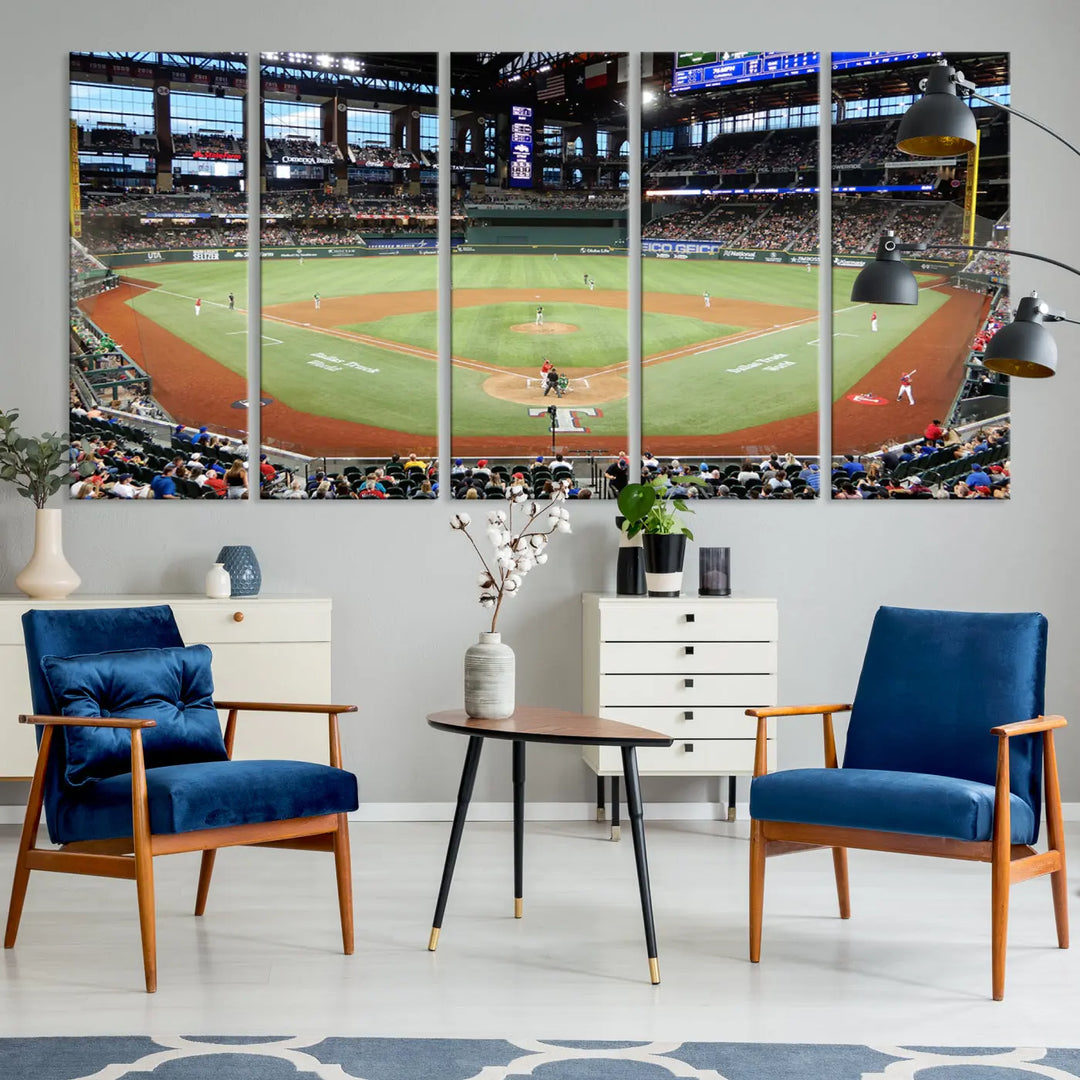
x=554, y=359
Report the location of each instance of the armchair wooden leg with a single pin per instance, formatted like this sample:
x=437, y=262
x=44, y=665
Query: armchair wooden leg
x=839, y=858
x=31, y=823
x=757, y=887
x=206, y=870
x=343, y=864
x=1055, y=835
x=1000, y=871
x=144, y=862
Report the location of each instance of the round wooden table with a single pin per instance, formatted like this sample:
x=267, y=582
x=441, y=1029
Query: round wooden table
x=531, y=723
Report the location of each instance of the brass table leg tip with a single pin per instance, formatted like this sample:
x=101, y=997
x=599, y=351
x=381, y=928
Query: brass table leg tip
x=616, y=832
x=518, y=904
x=433, y=941
x=731, y=813
x=600, y=815
x=654, y=970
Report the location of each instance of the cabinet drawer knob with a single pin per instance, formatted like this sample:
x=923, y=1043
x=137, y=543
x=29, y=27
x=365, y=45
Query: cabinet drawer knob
x=690, y=616
x=238, y=616
x=688, y=748
x=688, y=683
x=688, y=650
x=688, y=715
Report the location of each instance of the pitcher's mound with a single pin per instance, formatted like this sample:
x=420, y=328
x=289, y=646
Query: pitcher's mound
x=547, y=328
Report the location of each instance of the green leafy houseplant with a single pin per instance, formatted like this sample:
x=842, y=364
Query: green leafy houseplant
x=647, y=511
x=37, y=467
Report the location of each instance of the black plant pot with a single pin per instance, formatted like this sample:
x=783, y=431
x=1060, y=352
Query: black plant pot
x=664, y=555
x=630, y=568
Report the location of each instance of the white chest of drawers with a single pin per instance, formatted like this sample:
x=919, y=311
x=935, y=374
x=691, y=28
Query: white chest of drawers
x=687, y=666
x=266, y=648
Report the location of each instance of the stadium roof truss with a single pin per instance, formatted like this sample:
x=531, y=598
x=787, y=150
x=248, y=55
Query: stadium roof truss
x=235, y=62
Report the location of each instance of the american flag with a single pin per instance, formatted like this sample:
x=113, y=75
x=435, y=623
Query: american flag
x=554, y=87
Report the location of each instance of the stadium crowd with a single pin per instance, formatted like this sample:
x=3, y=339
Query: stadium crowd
x=941, y=465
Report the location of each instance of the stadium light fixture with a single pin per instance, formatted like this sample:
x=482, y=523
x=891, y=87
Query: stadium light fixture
x=939, y=124
x=1024, y=347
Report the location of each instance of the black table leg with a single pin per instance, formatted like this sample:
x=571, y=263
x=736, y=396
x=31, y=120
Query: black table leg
x=637, y=828
x=599, y=798
x=615, y=800
x=468, y=778
x=731, y=798
x=519, y=824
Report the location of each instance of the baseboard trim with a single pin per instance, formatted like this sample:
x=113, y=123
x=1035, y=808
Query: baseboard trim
x=12, y=814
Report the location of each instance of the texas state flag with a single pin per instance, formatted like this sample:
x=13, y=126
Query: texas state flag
x=595, y=76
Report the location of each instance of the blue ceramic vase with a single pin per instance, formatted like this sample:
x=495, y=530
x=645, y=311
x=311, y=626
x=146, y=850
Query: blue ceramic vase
x=243, y=569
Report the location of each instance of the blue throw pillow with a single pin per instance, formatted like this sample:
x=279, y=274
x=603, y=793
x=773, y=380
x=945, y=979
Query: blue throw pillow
x=172, y=686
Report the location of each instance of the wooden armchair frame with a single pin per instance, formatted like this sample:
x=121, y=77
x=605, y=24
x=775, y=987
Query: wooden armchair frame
x=132, y=856
x=1009, y=862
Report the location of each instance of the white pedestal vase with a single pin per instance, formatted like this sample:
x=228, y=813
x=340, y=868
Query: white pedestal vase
x=218, y=582
x=48, y=575
x=489, y=678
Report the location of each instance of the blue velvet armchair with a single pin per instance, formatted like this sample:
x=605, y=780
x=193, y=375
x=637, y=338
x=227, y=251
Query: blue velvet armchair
x=132, y=763
x=945, y=747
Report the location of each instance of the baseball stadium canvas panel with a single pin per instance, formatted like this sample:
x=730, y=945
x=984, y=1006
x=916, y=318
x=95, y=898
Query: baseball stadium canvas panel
x=540, y=169
x=915, y=412
x=349, y=245
x=730, y=236
x=158, y=331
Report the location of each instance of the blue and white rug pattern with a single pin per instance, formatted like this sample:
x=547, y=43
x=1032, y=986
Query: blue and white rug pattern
x=292, y=1058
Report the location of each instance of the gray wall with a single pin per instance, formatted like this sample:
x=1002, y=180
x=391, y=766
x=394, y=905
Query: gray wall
x=402, y=583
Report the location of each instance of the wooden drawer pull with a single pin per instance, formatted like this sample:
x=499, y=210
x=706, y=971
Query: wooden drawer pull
x=688, y=650
x=688, y=683
x=238, y=616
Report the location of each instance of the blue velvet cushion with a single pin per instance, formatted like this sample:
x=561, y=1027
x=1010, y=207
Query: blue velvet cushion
x=934, y=683
x=888, y=801
x=207, y=795
x=172, y=686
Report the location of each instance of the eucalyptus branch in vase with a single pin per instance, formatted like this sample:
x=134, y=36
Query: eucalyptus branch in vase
x=514, y=552
x=37, y=467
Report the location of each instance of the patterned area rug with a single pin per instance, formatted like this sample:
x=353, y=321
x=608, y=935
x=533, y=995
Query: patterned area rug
x=288, y=1058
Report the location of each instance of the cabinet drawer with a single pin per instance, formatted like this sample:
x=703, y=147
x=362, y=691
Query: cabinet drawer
x=705, y=657
x=709, y=757
x=692, y=723
x=686, y=691
x=690, y=619
x=213, y=621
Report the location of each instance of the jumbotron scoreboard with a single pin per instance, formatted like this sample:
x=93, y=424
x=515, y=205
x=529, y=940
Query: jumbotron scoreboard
x=704, y=70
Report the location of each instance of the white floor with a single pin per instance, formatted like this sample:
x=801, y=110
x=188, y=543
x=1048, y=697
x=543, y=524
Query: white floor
x=912, y=966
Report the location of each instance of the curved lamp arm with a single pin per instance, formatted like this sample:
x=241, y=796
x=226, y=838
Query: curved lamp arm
x=1016, y=112
x=979, y=247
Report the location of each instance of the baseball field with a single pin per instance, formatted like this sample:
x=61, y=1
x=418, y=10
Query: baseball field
x=356, y=376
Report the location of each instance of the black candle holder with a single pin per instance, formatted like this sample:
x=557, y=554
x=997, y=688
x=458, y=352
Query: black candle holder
x=714, y=571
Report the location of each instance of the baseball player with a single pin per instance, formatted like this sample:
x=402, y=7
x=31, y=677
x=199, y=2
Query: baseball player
x=708, y=299
x=540, y=315
x=592, y=284
x=905, y=386
x=545, y=367
x=198, y=305
x=873, y=322
x=232, y=302
x=585, y=278
x=554, y=256
x=318, y=301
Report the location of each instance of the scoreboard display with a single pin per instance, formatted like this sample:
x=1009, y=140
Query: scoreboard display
x=705, y=70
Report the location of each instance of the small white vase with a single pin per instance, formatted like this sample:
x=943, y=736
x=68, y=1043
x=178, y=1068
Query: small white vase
x=489, y=678
x=48, y=575
x=218, y=582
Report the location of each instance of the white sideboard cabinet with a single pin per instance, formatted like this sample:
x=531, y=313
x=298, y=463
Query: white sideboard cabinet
x=266, y=648
x=687, y=666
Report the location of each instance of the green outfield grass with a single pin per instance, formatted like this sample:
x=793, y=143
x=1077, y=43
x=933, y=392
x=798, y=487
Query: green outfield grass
x=762, y=283
x=538, y=272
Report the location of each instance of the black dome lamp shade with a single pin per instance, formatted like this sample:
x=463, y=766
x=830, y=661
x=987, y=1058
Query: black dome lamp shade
x=939, y=124
x=886, y=280
x=1024, y=347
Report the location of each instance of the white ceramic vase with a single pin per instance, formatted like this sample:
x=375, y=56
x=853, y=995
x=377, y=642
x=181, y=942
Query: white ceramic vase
x=48, y=575
x=489, y=678
x=218, y=582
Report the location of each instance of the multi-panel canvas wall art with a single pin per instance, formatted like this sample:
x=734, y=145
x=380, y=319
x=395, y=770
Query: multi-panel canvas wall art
x=729, y=217
x=158, y=278
x=916, y=414
x=540, y=168
x=349, y=239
